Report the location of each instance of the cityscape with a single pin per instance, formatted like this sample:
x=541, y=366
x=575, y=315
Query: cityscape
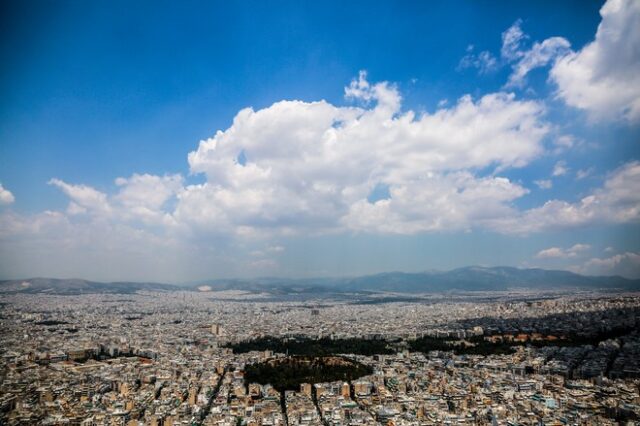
x=182, y=359
x=320, y=213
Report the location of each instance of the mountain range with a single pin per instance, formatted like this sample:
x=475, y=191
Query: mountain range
x=472, y=278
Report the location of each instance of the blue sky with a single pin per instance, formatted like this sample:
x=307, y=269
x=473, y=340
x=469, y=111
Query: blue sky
x=402, y=167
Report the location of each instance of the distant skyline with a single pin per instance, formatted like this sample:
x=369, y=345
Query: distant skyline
x=176, y=142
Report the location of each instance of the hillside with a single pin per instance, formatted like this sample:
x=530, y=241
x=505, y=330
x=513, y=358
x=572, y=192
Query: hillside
x=472, y=278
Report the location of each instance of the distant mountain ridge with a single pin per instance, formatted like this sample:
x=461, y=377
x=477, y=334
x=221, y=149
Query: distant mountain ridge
x=74, y=286
x=475, y=278
x=471, y=278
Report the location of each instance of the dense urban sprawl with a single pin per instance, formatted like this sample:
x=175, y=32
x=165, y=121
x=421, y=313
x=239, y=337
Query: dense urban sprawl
x=164, y=359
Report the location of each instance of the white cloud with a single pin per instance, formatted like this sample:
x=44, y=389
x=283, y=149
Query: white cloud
x=617, y=201
x=540, y=55
x=484, y=61
x=544, y=183
x=625, y=264
x=524, y=60
x=578, y=248
x=308, y=168
x=293, y=168
x=83, y=197
x=6, y=197
x=560, y=169
x=312, y=165
x=96, y=247
x=551, y=252
x=13, y=225
x=584, y=173
x=74, y=209
x=565, y=142
x=145, y=196
x=147, y=191
x=512, y=40
x=557, y=252
x=456, y=201
x=140, y=197
x=603, y=77
x=384, y=94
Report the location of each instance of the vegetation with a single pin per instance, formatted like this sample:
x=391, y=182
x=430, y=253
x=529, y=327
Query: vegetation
x=51, y=322
x=288, y=373
x=476, y=346
x=314, y=347
x=593, y=338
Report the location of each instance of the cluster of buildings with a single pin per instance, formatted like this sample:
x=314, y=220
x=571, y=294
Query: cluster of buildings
x=160, y=359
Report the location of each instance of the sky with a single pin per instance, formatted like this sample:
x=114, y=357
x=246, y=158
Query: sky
x=186, y=141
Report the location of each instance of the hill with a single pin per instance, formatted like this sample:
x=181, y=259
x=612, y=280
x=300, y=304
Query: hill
x=79, y=286
x=475, y=278
x=472, y=278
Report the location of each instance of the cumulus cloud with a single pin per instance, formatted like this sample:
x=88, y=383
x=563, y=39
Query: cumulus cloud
x=298, y=168
x=310, y=168
x=557, y=252
x=603, y=78
x=6, y=197
x=140, y=197
x=145, y=196
x=617, y=201
x=456, y=201
x=147, y=191
x=625, y=264
x=313, y=165
x=83, y=198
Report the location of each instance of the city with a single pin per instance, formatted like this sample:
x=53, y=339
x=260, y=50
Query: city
x=320, y=213
x=167, y=359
